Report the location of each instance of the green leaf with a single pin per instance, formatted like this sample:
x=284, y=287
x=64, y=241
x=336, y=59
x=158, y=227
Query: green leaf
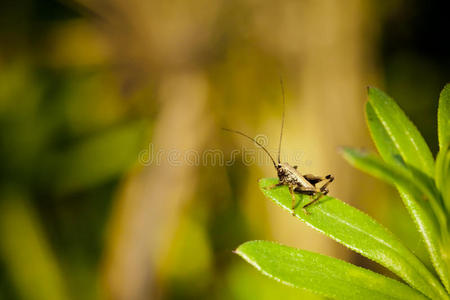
x=388, y=147
x=438, y=252
x=321, y=274
x=415, y=183
x=410, y=190
x=26, y=252
x=383, y=141
x=359, y=232
x=444, y=117
x=377, y=168
x=405, y=137
x=442, y=176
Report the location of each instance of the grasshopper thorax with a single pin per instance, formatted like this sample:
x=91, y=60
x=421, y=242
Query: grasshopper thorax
x=285, y=171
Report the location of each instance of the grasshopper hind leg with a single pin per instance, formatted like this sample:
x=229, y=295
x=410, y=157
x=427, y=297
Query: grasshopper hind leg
x=324, y=188
x=321, y=192
x=315, y=199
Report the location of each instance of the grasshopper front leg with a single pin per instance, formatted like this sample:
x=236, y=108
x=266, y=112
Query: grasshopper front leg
x=291, y=191
x=274, y=186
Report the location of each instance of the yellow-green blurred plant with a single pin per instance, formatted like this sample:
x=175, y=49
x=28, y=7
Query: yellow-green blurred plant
x=66, y=139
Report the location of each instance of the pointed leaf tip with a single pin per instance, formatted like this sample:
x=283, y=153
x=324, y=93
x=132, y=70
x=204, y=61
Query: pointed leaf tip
x=444, y=117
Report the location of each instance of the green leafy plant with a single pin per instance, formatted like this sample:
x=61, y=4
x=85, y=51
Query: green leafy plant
x=424, y=186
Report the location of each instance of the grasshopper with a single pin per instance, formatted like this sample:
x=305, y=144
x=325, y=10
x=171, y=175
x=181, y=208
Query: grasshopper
x=290, y=175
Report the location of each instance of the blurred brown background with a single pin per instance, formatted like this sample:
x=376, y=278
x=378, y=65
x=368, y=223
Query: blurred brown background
x=106, y=105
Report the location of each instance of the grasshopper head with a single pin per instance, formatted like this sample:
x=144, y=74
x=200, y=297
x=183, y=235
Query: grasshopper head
x=281, y=170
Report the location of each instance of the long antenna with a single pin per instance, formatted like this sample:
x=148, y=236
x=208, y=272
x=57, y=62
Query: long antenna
x=255, y=141
x=282, y=119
